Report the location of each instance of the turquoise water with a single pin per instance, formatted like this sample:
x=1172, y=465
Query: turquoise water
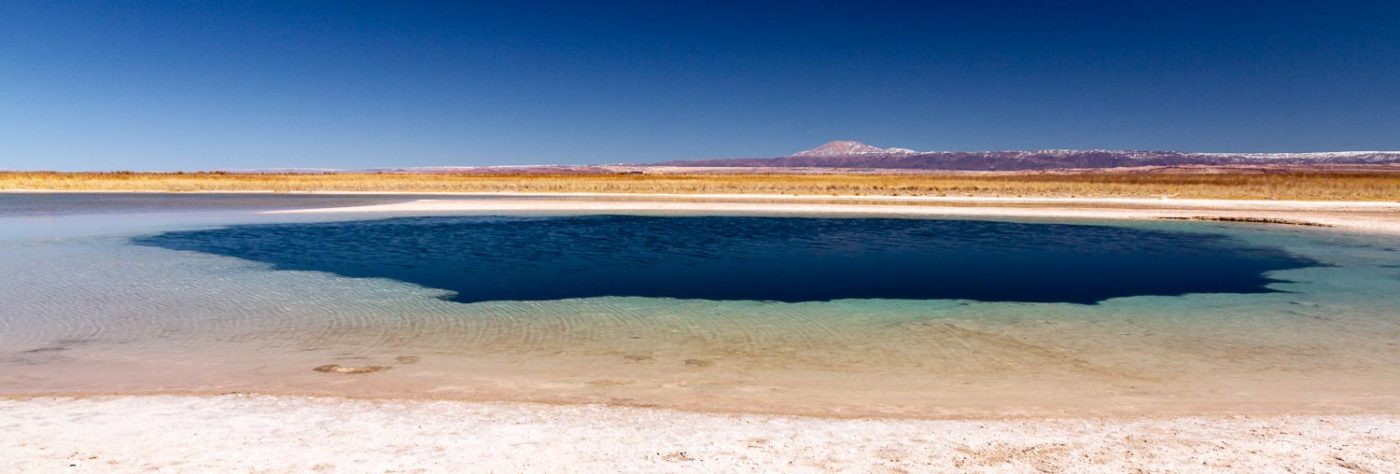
x=90, y=306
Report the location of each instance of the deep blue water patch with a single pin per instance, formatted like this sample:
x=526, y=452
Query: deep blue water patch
x=754, y=258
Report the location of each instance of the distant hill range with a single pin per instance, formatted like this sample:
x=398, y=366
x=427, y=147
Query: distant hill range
x=856, y=155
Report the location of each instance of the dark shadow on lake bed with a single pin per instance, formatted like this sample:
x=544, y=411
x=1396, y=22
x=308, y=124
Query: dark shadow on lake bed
x=754, y=258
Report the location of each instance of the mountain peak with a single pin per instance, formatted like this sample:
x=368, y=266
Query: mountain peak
x=851, y=147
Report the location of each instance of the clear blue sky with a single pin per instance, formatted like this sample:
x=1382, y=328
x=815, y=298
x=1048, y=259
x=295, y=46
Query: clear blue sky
x=221, y=85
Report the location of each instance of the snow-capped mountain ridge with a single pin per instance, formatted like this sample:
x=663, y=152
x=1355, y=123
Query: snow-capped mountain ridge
x=857, y=155
x=1309, y=154
x=852, y=147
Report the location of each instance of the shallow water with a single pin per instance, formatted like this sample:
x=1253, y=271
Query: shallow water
x=1247, y=319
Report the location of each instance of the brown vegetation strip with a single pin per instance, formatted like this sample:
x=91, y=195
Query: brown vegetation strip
x=1251, y=220
x=1306, y=185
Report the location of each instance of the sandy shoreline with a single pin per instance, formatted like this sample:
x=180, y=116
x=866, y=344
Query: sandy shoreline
x=297, y=434
x=1359, y=216
x=1154, y=201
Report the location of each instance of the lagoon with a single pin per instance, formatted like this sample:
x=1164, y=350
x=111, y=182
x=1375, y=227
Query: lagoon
x=824, y=316
x=785, y=259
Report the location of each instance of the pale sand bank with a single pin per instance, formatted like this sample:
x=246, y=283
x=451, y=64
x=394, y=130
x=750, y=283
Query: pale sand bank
x=294, y=434
x=1162, y=201
x=1368, y=216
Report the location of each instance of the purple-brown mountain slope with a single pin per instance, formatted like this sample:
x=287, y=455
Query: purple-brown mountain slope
x=852, y=154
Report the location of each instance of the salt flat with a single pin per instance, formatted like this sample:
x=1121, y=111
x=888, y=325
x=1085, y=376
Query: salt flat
x=294, y=434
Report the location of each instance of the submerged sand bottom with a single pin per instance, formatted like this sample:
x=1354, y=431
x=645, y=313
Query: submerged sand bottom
x=300, y=434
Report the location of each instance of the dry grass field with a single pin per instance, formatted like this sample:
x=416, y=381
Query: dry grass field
x=1285, y=184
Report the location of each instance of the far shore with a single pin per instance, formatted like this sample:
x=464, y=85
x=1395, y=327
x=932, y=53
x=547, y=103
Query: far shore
x=1372, y=216
x=1233, y=183
x=1375, y=217
x=1167, y=201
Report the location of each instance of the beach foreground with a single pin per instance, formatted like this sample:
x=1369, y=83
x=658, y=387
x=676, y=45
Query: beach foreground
x=297, y=434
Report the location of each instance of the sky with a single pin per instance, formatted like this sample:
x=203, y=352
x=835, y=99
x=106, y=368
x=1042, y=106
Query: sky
x=190, y=85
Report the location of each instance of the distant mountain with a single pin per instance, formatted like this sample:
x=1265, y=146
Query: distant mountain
x=853, y=154
x=849, y=147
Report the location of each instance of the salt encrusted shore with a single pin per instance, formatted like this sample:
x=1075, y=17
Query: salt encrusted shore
x=255, y=433
x=1359, y=216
